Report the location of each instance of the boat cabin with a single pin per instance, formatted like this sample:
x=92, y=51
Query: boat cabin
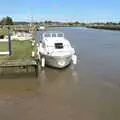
x=54, y=41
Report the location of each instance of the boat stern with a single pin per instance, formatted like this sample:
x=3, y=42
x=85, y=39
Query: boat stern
x=58, y=62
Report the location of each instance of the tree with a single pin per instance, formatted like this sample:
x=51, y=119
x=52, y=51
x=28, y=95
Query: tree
x=46, y=22
x=77, y=22
x=70, y=23
x=49, y=22
x=6, y=21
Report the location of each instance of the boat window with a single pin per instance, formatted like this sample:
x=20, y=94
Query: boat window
x=53, y=35
x=60, y=35
x=47, y=35
x=58, y=45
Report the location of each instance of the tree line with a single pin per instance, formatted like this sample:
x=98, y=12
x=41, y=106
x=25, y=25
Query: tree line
x=6, y=21
x=9, y=21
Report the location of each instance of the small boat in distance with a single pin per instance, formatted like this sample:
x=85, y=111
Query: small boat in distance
x=41, y=28
x=55, y=50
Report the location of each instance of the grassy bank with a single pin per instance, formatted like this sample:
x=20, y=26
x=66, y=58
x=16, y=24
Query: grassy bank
x=105, y=26
x=20, y=50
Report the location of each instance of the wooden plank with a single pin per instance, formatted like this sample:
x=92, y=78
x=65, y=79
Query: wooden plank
x=4, y=53
x=15, y=63
x=3, y=40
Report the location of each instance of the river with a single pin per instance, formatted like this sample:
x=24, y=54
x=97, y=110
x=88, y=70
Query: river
x=90, y=91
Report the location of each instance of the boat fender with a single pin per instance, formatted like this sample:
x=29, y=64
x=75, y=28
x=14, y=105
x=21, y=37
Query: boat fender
x=33, y=43
x=37, y=45
x=74, y=59
x=42, y=62
x=33, y=54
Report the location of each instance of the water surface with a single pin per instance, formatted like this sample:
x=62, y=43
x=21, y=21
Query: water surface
x=88, y=91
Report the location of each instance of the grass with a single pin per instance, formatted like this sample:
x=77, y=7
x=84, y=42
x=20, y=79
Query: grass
x=20, y=50
x=3, y=46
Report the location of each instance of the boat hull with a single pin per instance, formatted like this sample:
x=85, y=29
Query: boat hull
x=58, y=61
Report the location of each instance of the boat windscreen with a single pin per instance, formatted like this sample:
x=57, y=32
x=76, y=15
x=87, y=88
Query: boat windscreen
x=53, y=35
x=60, y=35
x=58, y=45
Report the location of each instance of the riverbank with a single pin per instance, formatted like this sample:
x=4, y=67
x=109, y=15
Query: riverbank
x=20, y=50
x=21, y=60
x=104, y=26
x=23, y=56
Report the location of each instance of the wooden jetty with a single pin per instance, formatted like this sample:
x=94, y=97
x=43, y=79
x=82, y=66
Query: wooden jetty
x=18, y=64
x=15, y=63
x=22, y=64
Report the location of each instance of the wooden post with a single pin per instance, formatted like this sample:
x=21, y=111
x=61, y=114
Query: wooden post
x=9, y=44
x=37, y=68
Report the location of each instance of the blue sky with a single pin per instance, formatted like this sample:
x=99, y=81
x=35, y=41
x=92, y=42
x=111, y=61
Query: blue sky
x=62, y=10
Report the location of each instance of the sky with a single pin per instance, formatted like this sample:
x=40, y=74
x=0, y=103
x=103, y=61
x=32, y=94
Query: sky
x=61, y=10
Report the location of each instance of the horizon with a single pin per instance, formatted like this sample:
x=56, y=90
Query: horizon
x=63, y=11
x=102, y=22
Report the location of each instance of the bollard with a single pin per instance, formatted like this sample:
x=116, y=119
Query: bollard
x=33, y=54
x=74, y=59
x=43, y=62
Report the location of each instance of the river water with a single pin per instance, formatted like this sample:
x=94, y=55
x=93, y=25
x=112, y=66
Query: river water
x=88, y=91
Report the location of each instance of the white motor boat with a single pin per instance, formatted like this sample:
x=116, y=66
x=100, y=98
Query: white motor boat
x=55, y=50
x=41, y=28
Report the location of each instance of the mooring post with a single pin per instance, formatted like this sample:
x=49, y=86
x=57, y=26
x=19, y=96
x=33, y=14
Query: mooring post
x=37, y=68
x=9, y=44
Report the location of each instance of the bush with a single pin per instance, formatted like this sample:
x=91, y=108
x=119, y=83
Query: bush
x=1, y=36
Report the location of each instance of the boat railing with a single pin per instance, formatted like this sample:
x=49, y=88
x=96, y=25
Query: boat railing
x=54, y=34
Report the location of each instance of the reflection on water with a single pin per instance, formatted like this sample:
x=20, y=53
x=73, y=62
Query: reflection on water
x=28, y=81
x=18, y=82
x=49, y=76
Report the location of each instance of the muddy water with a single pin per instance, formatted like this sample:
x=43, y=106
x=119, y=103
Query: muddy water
x=88, y=91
